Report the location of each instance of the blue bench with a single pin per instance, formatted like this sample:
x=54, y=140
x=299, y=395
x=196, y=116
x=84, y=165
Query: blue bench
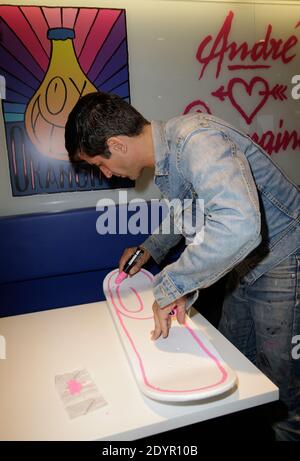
x=54, y=260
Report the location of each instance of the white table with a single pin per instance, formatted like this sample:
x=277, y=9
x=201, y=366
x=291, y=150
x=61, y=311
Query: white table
x=44, y=344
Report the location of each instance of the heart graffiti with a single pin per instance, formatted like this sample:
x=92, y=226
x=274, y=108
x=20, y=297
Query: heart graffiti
x=197, y=106
x=257, y=89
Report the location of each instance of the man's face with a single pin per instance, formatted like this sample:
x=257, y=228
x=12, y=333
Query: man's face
x=122, y=162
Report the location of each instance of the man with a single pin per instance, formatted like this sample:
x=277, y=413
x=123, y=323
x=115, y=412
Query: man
x=251, y=227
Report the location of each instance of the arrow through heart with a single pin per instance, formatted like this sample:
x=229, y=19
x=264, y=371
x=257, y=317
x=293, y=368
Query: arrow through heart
x=257, y=89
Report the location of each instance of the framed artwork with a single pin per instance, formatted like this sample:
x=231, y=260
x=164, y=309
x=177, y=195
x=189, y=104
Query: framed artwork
x=49, y=58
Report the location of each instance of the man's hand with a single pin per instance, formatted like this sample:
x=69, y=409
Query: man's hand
x=128, y=252
x=163, y=319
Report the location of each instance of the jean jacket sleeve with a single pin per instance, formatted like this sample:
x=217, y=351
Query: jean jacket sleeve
x=220, y=175
x=160, y=242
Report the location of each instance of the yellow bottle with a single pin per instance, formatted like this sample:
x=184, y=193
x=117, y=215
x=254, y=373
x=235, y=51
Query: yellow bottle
x=64, y=83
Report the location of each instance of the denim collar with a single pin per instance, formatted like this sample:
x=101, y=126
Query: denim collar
x=161, y=148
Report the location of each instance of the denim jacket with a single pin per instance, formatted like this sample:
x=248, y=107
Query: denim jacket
x=251, y=209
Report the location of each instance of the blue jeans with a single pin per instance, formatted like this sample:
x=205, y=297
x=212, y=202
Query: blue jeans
x=261, y=320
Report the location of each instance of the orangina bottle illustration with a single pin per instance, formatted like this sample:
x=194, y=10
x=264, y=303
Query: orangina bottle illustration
x=64, y=83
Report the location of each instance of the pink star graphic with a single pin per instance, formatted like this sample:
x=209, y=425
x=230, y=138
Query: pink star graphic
x=74, y=386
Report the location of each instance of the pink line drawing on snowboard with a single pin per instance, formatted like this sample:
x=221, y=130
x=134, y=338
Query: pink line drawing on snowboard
x=133, y=317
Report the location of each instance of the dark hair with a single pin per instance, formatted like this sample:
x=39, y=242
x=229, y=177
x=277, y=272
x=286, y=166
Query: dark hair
x=94, y=119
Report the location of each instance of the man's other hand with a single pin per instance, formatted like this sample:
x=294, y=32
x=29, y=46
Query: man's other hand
x=163, y=319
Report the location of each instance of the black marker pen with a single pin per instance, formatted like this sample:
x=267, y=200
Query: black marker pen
x=129, y=264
